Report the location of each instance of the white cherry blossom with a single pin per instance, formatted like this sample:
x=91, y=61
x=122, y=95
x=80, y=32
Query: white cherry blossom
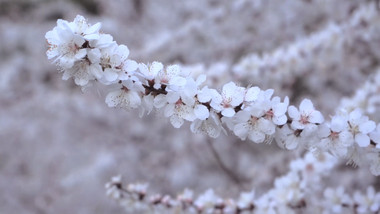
x=360, y=126
x=336, y=137
x=117, y=66
x=231, y=97
x=288, y=138
x=171, y=76
x=67, y=38
x=305, y=117
x=369, y=202
x=179, y=109
x=125, y=97
x=335, y=200
x=251, y=124
x=212, y=126
x=207, y=201
x=150, y=71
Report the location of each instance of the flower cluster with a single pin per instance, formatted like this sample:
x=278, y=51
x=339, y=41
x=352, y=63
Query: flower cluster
x=367, y=97
x=337, y=201
x=297, y=191
x=86, y=55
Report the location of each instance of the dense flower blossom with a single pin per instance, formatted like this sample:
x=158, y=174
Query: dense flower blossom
x=231, y=97
x=360, y=126
x=291, y=193
x=306, y=117
x=369, y=202
x=87, y=55
x=336, y=200
x=336, y=136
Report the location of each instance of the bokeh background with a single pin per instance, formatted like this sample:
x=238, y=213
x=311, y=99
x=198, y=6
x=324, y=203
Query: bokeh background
x=59, y=145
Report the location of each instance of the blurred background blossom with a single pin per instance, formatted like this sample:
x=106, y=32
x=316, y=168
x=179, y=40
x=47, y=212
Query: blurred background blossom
x=60, y=145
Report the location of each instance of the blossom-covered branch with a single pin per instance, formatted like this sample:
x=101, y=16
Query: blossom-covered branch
x=366, y=97
x=85, y=54
x=300, y=190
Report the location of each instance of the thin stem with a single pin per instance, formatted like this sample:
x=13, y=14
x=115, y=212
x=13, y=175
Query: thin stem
x=232, y=175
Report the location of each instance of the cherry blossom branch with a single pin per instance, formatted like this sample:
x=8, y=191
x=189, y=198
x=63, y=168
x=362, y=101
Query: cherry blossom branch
x=367, y=97
x=297, y=191
x=86, y=55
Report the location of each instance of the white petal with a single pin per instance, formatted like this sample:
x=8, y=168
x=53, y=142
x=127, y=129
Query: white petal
x=52, y=52
x=309, y=130
x=134, y=100
x=201, y=79
x=113, y=98
x=294, y=113
x=172, y=97
x=173, y=70
x=80, y=81
x=187, y=113
x=228, y=112
x=266, y=126
x=66, y=62
x=169, y=110
x=52, y=37
x=78, y=40
x=130, y=65
x=123, y=51
x=338, y=124
x=94, y=55
x=81, y=54
x=291, y=143
x=281, y=120
x=346, y=138
x=176, y=121
x=280, y=109
x=104, y=41
x=143, y=68
x=316, y=117
x=93, y=29
x=306, y=105
x=110, y=75
x=96, y=70
x=229, y=89
x=178, y=81
x=268, y=93
x=252, y=94
x=160, y=101
x=195, y=126
x=90, y=37
x=188, y=100
x=324, y=131
x=155, y=67
x=256, y=136
x=204, y=95
x=216, y=101
x=362, y=140
x=241, y=130
x=297, y=125
x=355, y=115
x=375, y=136
x=242, y=116
x=238, y=97
x=367, y=127
x=148, y=103
x=201, y=112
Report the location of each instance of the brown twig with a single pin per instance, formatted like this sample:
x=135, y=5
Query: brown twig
x=235, y=178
